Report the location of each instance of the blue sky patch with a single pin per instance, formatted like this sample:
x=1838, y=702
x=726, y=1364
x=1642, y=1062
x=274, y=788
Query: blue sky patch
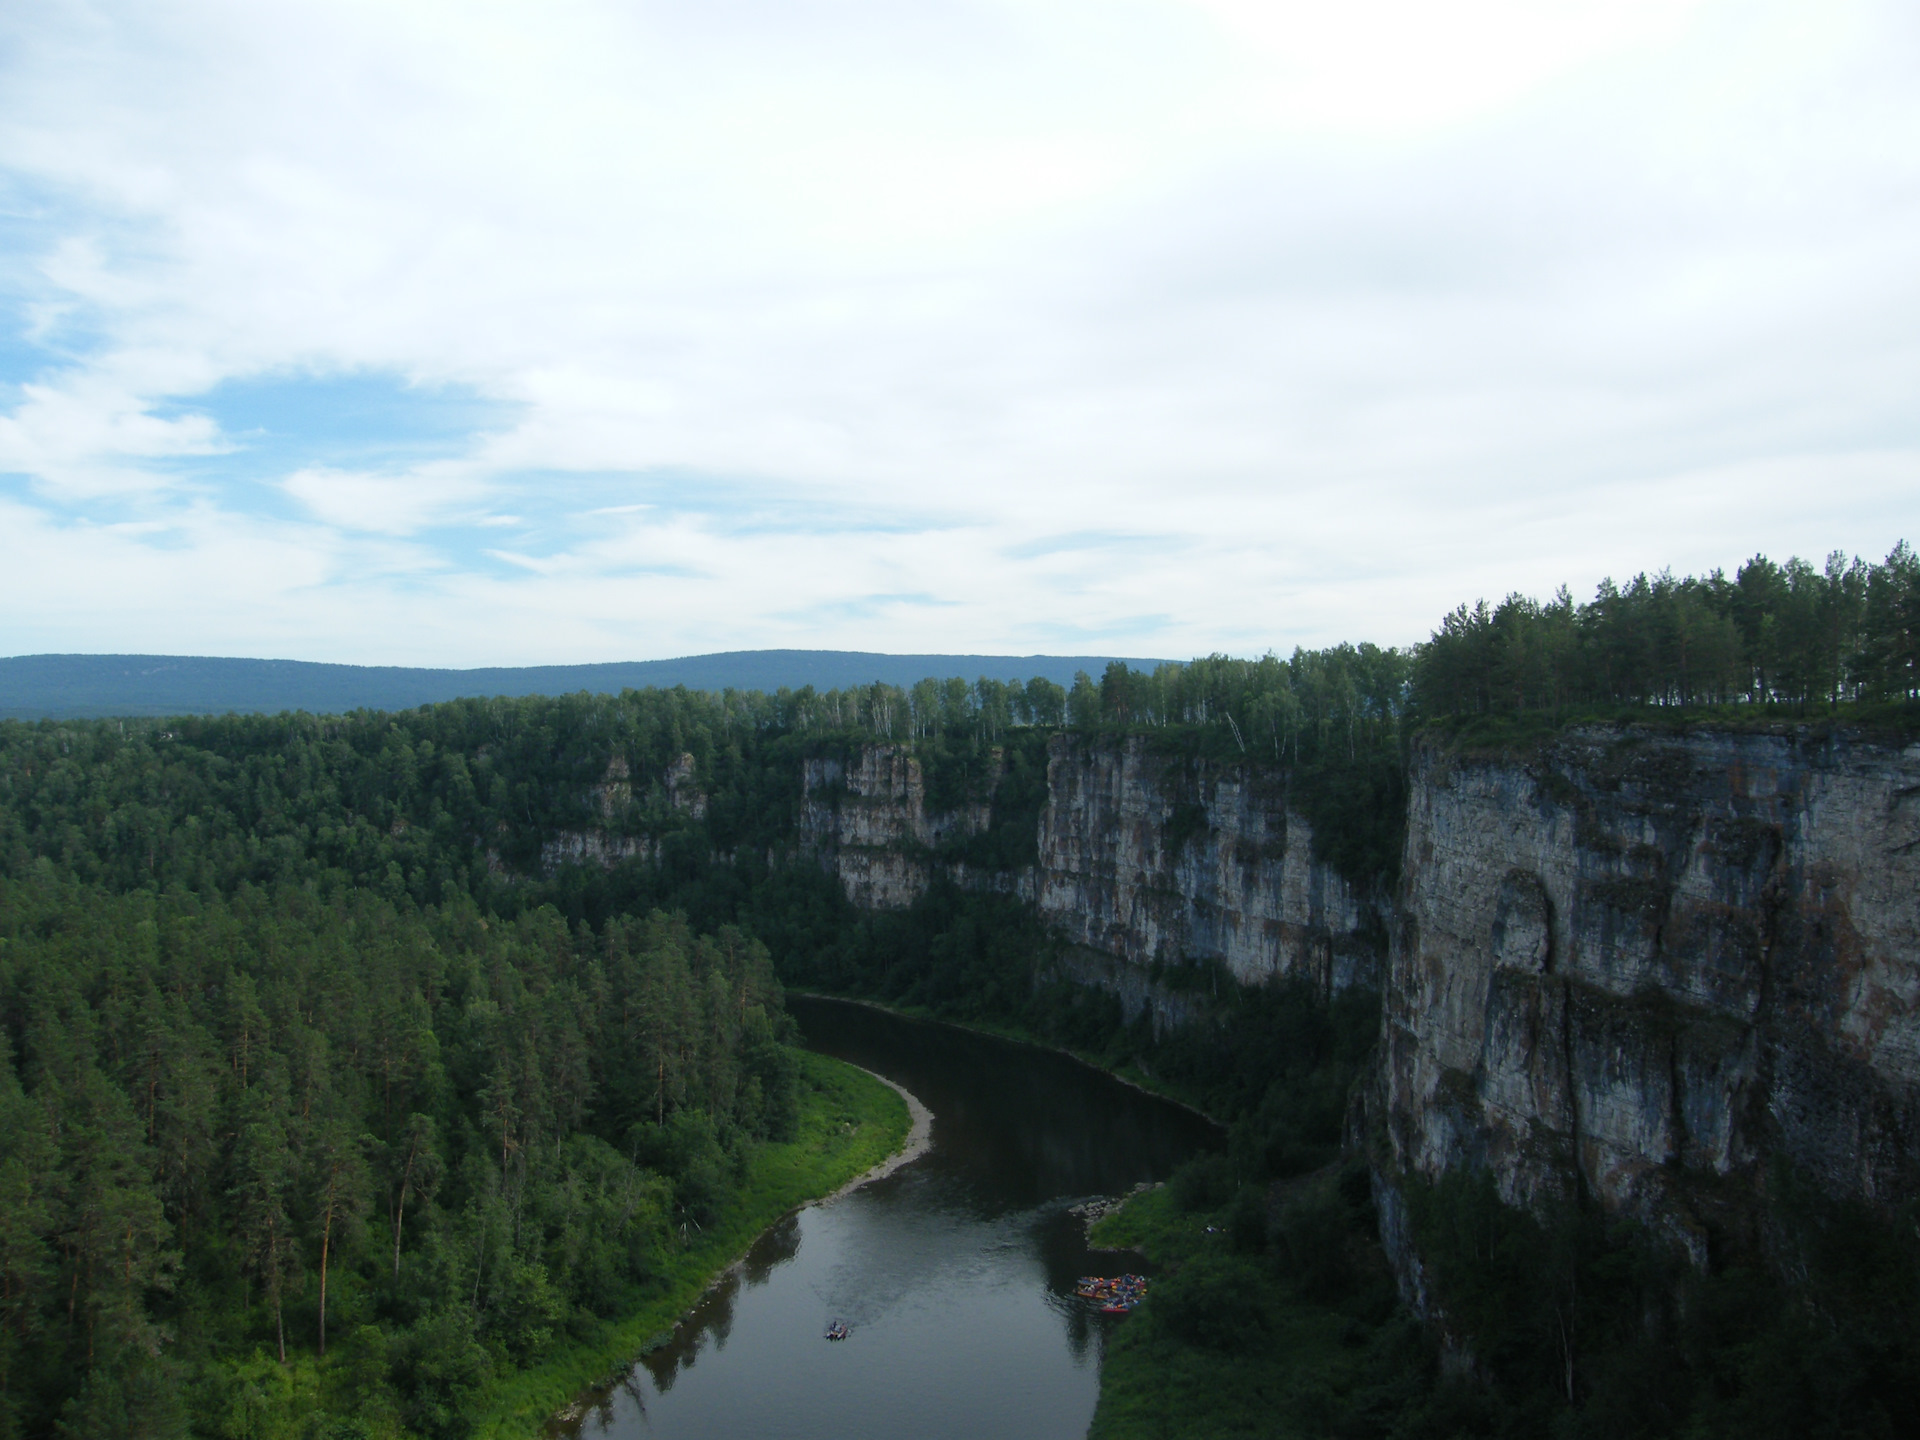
x=731, y=504
x=33, y=349
x=864, y=607
x=44, y=328
x=1081, y=540
x=365, y=420
x=20, y=359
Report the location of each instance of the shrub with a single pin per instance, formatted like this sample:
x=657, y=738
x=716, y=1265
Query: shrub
x=1212, y=1302
x=1203, y=1183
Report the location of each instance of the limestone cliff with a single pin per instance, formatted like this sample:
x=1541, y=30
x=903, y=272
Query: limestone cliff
x=869, y=824
x=1151, y=858
x=613, y=803
x=1652, y=963
x=1143, y=858
x=1641, y=962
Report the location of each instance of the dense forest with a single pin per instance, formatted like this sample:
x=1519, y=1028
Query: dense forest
x=308, y=1045
x=434, y=1140
x=1790, y=635
x=1793, y=636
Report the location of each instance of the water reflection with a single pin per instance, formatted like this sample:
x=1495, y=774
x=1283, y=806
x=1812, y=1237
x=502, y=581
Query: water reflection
x=955, y=1273
x=712, y=1320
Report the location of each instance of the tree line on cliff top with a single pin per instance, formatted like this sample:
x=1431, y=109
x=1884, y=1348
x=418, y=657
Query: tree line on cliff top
x=1793, y=637
x=457, y=798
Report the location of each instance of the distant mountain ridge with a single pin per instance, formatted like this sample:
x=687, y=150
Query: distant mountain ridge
x=61, y=687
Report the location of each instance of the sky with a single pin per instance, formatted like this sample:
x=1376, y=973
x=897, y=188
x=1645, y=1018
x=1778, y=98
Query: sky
x=487, y=333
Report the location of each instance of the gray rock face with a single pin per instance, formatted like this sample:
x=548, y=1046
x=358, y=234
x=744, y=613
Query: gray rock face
x=1652, y=962
x=869, y=824
x=1151, y=858
x=683, y=787
x=1142, y=858
x=594, y=847
x=607, y=844
x=1643, y=963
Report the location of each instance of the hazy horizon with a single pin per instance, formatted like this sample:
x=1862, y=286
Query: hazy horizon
x=75, y=686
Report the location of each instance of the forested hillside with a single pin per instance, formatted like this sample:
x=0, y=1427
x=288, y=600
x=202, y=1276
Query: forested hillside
x=310, y=1044
x=436, y=1139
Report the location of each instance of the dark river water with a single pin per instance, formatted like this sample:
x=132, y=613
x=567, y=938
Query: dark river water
x=955, y=1273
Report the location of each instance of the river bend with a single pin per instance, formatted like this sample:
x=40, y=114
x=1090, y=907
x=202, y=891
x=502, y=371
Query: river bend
x=955, y=1272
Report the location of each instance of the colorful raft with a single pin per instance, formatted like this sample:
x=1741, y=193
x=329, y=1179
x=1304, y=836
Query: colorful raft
x=1114, y=1294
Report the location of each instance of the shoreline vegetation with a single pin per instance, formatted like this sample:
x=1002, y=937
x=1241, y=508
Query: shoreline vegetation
x=326, y=1164
x=916, y=1142
x=1306, y=1339
x=854, y=1127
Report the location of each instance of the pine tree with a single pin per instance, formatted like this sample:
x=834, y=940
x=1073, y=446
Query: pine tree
x=339, y=1187
x=263, y=1171
x=417, y=1169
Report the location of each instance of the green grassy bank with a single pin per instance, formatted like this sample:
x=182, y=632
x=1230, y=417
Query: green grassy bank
x=849, y=1122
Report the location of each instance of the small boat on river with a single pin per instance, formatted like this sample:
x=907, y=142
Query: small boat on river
x=1113, y=1294
x=838, y=1330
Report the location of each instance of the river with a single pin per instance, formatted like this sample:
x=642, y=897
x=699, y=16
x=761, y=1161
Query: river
x=955, y=1273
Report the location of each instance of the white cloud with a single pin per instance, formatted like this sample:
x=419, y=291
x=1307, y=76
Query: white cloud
x=393, y=504
x=1384, y=68
x=87, y=435
x=1363, y=309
